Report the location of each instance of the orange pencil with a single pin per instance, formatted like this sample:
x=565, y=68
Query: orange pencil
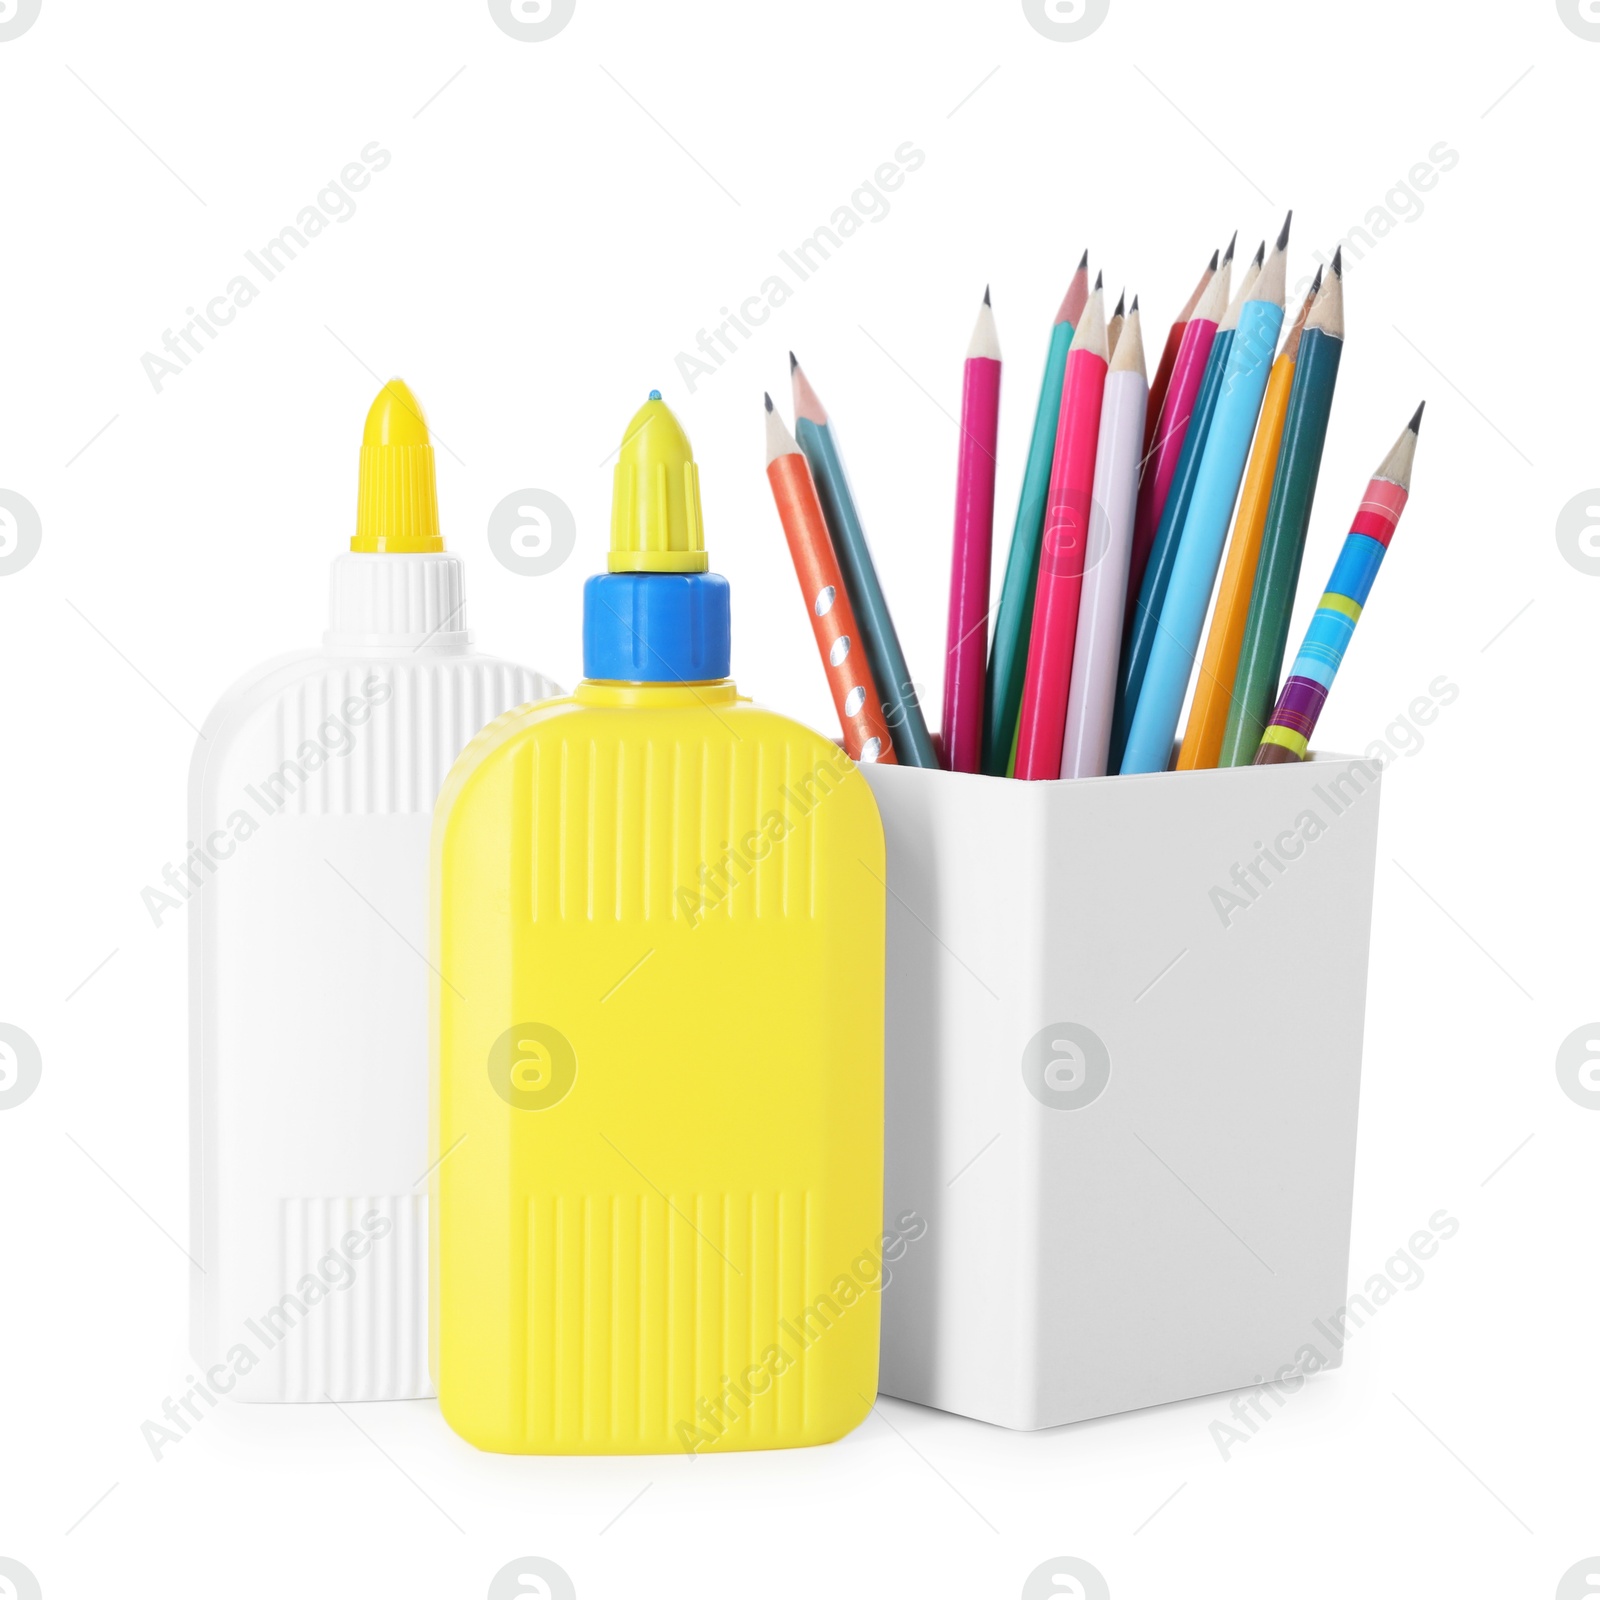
x=833, y=622
x=1208, y=715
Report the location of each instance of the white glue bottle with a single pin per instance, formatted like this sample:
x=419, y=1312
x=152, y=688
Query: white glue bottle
x=310, y=802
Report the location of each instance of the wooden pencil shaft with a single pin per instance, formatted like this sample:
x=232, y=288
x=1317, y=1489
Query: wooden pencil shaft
x=1294, y=487
x=1013, y=620
x=855, y=692
x=902, y=713
x=1145, y=614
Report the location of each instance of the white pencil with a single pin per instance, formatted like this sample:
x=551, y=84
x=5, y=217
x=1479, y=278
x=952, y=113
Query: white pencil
x=1105, y=579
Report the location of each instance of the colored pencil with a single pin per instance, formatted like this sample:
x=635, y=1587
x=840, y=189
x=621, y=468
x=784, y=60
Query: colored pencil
x=822, y=585
x=1041, y=727
x=815, y=436
x=1114, y=326
x=1145, y=612
x=1166, y=446
x=1208, y=714
x=967, y=636
x=1305, y=428
x=1304, y=692
x=1205, y=527
x=1100, y=610
x=1013, y=622
x=1169, y=354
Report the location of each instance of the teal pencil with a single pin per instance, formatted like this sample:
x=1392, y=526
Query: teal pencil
x=1283, y=540
x=907, y=727
x=1013, y=622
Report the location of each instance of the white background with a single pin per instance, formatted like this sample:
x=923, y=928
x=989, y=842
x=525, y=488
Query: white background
x=558, y=221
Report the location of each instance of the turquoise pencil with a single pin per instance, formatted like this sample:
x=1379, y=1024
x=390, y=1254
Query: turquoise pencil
x=1205, y=528
x=909, y=731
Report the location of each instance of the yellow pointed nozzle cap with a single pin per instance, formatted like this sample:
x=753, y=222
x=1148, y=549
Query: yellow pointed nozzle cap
x=655, y=500
x=397, y=506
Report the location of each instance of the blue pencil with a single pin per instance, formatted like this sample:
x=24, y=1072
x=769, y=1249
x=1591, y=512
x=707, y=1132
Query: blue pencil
x=1146, y=610
x=1194, y=570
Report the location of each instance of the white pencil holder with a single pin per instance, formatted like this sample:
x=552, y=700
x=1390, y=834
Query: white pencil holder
x=1123, y=1055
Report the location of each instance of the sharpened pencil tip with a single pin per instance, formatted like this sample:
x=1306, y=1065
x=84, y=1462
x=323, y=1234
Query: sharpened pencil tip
x=1216, y=256
x=1338, y=262
x=1134, y=307
x=1260, y=255
x=1099, y=281
x=1228, y=253
x=1083, y=264
x=1416, y=422
x=768, y=399
x=1316, y=282
x=986, y=294
x=1122, y=300
x=793, y=362
x=1283, y=237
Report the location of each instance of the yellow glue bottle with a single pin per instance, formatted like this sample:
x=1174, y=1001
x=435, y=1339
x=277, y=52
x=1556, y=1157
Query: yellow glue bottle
x=658, y=924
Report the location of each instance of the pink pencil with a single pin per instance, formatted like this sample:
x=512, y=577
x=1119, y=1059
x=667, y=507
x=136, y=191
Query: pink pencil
x=967, y=638
x=1042, y=727
x=1161, y=461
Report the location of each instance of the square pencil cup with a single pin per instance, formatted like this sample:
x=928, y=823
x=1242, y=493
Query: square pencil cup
x=1123, y=1054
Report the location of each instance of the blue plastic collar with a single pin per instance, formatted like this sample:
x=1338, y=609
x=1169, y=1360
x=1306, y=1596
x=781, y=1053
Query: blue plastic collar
x=656, y=627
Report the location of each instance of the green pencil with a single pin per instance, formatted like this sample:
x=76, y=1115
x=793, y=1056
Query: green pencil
x=1013, y=622
x=1283, y=542
x=913, y=744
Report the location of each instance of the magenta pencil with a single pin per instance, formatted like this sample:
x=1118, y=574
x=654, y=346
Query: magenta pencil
x=1042, y=726
x=967, y=638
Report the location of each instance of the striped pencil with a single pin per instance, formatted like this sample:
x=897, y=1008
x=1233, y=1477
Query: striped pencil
x=1283, y=540
x=833, y=622
x=967, y=636
x=815, y=436
x=1208, y=715
x=1169, y=354
x=1289, y=730
x=1041, y=728
x=1205, y=527
x=1013, y=622
x=1145, y=610
x=1116, y=486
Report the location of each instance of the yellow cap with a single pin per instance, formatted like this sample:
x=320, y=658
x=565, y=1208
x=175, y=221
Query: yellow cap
x=655, y=501
x=397, y=506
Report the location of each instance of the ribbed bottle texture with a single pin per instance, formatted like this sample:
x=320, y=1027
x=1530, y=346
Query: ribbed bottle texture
x=649, y=1315
x=351, y=1322
x=419, y=601
x=377, y=737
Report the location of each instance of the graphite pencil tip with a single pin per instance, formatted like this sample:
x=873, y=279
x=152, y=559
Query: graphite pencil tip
x=1283, y=236
x=986, y=294
x=1122, y=300
x=1227, y=254
x=1260, y=255
x=768, y=399
x=1216, y=256
x=1316, y=282
x=1099, y=280
x=1338, y=262
x=1083, y=262
x=793, y=361
x=1135, y=306
x=1415, y=423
